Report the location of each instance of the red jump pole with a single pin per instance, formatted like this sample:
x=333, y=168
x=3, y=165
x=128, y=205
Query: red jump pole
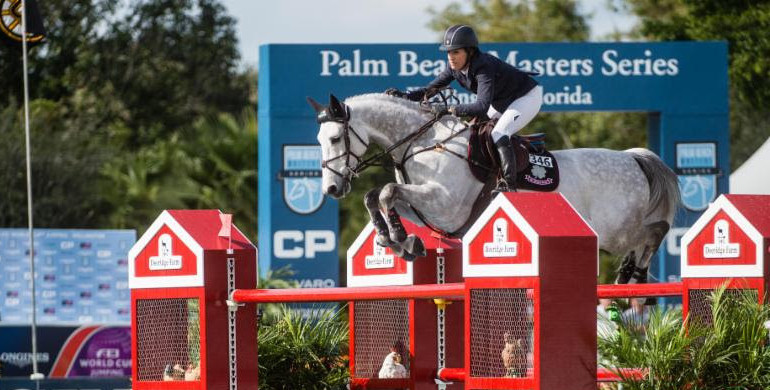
x=607, y=375
x=602, y=374
x=377, y=383
x=447, y=374
x=453, y=291
x=639, y=290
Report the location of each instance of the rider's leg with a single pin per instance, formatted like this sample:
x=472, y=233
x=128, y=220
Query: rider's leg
x=507, y=165
x=518, y=114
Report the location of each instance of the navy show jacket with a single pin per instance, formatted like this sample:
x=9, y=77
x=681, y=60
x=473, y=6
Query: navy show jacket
x=494, y=81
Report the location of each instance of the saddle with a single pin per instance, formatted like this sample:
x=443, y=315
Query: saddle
x=536, y=167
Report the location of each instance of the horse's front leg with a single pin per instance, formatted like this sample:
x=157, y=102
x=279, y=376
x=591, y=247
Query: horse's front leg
x=406, y=193
x=371, y=201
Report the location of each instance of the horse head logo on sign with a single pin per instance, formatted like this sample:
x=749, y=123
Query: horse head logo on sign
x=500, y=246
x=696, y=165
x=302, y=178
x=721, y=248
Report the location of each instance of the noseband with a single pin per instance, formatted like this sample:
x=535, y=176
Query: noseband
x=333, y=114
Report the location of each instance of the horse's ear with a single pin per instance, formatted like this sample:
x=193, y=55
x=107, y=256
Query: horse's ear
x=318, y=107
x=334, y=102
x=336, y=108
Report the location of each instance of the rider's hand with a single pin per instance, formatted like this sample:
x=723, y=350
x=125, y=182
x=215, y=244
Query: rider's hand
x=395, y=92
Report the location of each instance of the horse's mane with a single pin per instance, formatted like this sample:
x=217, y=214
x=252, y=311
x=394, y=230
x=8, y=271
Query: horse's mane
x=379, y=98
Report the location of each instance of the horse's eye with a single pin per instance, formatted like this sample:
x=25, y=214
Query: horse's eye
x=335, y=140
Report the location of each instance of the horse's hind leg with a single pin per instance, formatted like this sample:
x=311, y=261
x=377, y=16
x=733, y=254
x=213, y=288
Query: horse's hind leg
x=634, y=269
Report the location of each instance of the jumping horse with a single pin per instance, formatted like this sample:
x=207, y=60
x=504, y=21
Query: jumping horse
x=628, y=197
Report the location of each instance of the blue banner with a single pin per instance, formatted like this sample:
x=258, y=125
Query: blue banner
x=81, y=276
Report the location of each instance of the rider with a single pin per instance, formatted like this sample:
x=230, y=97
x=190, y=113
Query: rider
x=502, y=92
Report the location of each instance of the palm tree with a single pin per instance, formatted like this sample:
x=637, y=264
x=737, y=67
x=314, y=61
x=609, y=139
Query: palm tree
x=221, y=160
x=304, y=352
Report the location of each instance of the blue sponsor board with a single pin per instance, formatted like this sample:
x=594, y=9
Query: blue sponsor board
x=683, y=85
x=81, y=276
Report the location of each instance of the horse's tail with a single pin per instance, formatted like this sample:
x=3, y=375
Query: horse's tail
x=664, y=185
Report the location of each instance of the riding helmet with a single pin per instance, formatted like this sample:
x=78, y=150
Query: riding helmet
x=458, y=37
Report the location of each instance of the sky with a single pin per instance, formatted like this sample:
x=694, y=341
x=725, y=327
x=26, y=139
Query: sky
x=362, y=21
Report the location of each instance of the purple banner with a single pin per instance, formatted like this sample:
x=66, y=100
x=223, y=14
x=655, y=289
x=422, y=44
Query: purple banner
x=107, y=353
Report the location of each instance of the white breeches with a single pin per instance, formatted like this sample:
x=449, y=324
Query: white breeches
x=520, y=112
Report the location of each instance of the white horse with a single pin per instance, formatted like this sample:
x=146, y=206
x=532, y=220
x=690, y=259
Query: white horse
x=628, y=197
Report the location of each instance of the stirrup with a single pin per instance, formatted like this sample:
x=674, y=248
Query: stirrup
x=502, y=186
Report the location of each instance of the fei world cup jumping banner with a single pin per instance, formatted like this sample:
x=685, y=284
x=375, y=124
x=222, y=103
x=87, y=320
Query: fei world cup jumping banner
x=682, y=85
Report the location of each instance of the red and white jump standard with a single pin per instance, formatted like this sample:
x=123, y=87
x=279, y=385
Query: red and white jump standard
x=730, y=244
x=425, y=336
x=530, y=263
x=183, y=335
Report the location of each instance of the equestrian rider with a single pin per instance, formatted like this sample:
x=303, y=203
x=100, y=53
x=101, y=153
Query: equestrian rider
x=502, y=92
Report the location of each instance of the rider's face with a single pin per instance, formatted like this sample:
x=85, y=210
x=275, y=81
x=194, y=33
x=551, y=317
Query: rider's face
x=458, y=59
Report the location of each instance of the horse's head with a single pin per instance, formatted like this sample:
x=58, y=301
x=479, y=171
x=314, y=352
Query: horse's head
x=342, y=147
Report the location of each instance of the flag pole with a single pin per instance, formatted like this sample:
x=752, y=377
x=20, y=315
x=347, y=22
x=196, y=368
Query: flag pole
x=35, y=374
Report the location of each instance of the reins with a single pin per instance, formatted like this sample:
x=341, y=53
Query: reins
x=411, y=137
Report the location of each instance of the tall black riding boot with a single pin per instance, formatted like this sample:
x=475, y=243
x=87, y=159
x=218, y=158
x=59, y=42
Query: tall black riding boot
x=507, y=165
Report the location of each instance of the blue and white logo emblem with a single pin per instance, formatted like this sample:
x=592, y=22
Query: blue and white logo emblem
x=696, y=165
x=301, y=176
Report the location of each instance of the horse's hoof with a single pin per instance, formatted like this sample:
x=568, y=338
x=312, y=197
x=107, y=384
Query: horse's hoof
x=418, y=248
x=398, y=250
x=397, y=234
x=625, y=272
x=384, y=241
x=408, y=256
x=414, y=246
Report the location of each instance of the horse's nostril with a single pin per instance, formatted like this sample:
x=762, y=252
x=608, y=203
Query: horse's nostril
x=332, y=189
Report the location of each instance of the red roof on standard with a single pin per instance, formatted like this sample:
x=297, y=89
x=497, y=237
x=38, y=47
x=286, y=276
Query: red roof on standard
x=549, y=214
x=204, y=227
x=756, y=208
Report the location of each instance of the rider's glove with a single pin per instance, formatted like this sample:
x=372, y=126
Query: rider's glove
x=440, y=110
x=395, y=92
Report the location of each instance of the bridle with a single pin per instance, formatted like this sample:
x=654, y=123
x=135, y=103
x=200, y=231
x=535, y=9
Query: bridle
x=340, y=113
x=330, y=115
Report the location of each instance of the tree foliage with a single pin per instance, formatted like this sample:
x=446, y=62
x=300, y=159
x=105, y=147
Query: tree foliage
x=137, y=107
x=211, y=165
x=526, y=21
x=744, y=25
x=65, y=164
